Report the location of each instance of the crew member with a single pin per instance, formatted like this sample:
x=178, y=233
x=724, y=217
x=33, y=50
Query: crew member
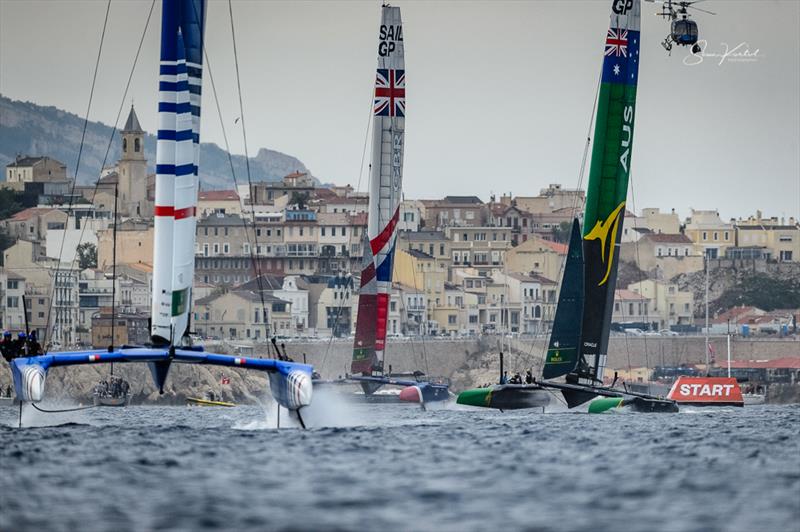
x=20, y=345
x=6, y=346
x=34, y=347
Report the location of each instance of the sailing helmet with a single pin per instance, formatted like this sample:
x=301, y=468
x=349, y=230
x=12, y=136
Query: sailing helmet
x=32, y=335
x=21, y=335
x=6, y=334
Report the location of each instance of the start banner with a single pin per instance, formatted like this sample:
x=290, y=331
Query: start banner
x=723, y=391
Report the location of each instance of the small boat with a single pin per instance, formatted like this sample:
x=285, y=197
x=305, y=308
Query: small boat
x=209, y=400
x=111, y=392
x=749, y=399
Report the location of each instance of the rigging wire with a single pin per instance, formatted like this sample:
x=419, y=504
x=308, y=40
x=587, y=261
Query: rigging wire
x=259, y=276
x=97, y=183
x=641, y=280
x=364, y=228
x=581, y=176
x=252, y=246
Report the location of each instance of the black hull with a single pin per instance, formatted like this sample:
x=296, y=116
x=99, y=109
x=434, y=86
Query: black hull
x=651, y=406
x=518, y=397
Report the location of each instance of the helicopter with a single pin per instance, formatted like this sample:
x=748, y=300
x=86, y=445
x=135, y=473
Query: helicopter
x=683, y=30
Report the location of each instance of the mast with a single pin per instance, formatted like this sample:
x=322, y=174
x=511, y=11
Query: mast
x=386, y=170
x=177, y=158
x=705, y=263
x=608, y=185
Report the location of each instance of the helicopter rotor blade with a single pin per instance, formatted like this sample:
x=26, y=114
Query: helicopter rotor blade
x=701, y=10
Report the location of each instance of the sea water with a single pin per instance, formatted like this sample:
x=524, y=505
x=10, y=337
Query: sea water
x=395, y=467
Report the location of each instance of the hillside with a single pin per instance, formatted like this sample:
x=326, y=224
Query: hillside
x=31, y=129
x=772, y=286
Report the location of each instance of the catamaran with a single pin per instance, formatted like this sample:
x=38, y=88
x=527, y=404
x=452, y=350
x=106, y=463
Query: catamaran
x=177, y=159
x=385, y=193
x=578, y=344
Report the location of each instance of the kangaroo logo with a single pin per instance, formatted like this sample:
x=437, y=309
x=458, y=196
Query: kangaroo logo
x=601, y=231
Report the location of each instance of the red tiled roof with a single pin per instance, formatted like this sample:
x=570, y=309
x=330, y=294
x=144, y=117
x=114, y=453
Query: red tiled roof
x=734, y=314
x=541, y=278
x=623, y=294
x=357, y=219
x=559, y=248
x=781, y=363
x=30, y=212
x=218, y=195
x=296, y=174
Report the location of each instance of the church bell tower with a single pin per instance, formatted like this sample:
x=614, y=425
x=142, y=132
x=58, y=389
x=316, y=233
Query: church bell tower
x=132, y=169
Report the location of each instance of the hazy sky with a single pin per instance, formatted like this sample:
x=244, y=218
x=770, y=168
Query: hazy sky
x=499, y=94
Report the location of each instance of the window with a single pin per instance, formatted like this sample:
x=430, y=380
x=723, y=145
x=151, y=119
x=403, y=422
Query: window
x=451, y=319
x=225, y=248
x=12, y=284
x=726, y=235
x=136, y=145
x=393, y=306
x=322, y=231
x=12, y=302
x=216, y=248
x=705, y=235
x=716, y=235
x=630, y=309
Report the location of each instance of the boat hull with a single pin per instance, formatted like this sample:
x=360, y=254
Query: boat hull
x=111, y=401
x=425, y=392
x=648, y=405
x=506, y=397
x=195, y=401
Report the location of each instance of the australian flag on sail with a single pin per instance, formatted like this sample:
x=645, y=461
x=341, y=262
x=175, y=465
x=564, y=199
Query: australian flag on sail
x=621, y=62
x=390, y=92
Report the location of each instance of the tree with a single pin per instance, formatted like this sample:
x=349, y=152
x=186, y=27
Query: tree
x=11, y=202
x=299, y=198
x=87, y=255
x=562, y=232
x=6, y=241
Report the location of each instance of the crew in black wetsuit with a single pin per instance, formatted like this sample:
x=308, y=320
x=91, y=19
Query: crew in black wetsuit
x=6, y=346
x=34, y=347
x=528, y=377
x=20, y=344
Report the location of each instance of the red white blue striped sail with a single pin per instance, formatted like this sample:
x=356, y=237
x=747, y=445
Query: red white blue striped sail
x=386, y=174
x=177, y=154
